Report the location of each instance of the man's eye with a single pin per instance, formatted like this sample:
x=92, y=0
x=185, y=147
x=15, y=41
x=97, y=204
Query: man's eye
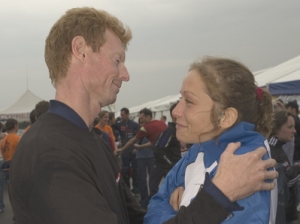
x=188, y=101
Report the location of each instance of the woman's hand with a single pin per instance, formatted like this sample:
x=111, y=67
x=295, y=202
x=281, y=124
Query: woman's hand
x=175, y=198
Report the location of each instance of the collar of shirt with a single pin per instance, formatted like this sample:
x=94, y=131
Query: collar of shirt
x=66, y=112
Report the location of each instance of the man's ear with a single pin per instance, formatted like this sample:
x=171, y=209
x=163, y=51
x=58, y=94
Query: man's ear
x=79, y=47
x=228, y=118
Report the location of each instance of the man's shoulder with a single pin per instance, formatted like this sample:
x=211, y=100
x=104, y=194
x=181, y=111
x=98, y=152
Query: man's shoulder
x=11, y=137
x=156, y=123
x=132, y=122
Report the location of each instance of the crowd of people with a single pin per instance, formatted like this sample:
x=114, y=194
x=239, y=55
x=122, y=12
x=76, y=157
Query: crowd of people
x=214, y=161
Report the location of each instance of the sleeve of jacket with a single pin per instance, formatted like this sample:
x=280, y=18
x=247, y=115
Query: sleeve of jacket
x=68, y=195
x=257, y=206
x=203, y=207
x=135, y=212
x=293, y=174
x=256, y=210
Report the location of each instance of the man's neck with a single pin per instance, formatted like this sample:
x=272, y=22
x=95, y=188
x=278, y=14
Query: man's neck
x=80, y=102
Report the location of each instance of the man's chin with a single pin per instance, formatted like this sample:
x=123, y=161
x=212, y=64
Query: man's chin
x=109, y=102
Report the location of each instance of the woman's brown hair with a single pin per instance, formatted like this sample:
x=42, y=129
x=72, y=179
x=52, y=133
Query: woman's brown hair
x=231, y=84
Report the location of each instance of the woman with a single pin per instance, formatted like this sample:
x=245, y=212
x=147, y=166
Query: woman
x=103, y=126
x=283, y=131
x=220, y=104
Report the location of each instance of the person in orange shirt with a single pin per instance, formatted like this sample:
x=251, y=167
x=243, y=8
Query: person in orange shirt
x=103, y=126
x=10, y=142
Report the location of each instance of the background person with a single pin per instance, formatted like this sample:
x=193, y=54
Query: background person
x=150, y=130
x=2, y=181
x=9, y=144
x=282, y=132
x=145, y=163
x=112, y=124
x=128, y=129
x=103, y=126
x=32, y=120
x=167, y=148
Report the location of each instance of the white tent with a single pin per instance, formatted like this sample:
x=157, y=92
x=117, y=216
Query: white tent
x=287, y=71
x=159, y=107
x=21, y=109
x=282, y=80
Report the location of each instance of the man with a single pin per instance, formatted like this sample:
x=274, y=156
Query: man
x=32, y=120
x=128, y=129
x=62, y=172
x=167, y=148
x=151, y=129
x=41, y=108
x=167, y=154
x=164, y=118
x=10, y=142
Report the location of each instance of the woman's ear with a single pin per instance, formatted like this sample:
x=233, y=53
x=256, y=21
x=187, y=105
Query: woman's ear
x=228, y=118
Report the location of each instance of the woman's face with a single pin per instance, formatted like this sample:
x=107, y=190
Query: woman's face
x=287, y=130
x=104, y=120
x=193, y=111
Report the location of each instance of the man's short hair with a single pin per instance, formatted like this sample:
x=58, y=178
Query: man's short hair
x=41, y=108
x=293, y=105
x=89, y=23
x=125, y=110
x=32, y=116
x=146, y=112
x=10, y=124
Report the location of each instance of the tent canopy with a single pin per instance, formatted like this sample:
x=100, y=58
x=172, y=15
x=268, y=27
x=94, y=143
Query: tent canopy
x=21, y=109
x=285, y=88
x=161, y=105
x=281, y=79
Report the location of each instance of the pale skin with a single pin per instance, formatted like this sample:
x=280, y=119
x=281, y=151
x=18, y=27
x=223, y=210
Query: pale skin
x=238, y=176
x=93, y=78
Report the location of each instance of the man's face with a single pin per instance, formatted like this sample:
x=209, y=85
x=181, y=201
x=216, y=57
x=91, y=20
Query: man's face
x=105, y=71
x=291, y=110
x=144, y=119
x=124, y=116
